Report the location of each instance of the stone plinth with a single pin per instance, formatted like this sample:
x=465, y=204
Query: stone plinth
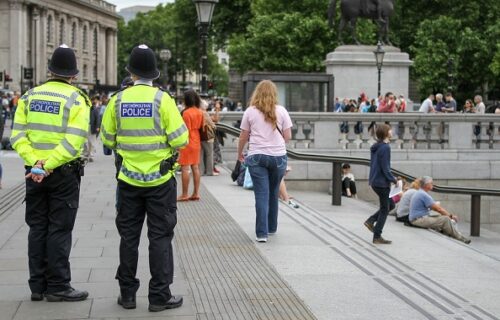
x=355, y=71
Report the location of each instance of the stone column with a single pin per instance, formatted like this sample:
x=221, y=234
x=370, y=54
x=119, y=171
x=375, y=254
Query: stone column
x=109, y=56
x=35, y=44
x=42, y=51
x=114, y=59
x=18, y=33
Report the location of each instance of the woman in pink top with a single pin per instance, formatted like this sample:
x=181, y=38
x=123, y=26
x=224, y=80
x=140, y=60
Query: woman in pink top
x=266, y=127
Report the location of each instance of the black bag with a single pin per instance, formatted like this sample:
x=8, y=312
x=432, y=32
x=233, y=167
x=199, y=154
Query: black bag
x=236, y=171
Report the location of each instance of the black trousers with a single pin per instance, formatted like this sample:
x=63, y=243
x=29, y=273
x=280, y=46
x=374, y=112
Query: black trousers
x=160, y=204
x=51, y=208
x=379, y=217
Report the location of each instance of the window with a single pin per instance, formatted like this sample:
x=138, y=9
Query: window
x=84, y=39
x=84, y=71
x=95, y=40
x=73, y=35
x=61, y=31
x=50, y=28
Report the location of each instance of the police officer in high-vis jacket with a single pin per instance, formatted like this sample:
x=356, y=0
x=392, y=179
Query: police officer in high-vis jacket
x=50, y=128
x=144, y=126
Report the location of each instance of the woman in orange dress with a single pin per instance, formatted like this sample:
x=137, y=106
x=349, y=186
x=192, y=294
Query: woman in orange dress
x=190, y=155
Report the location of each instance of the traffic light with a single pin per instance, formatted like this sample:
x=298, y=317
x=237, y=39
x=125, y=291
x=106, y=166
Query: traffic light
x=1, y=76
x=210, y=85
x=8, y=78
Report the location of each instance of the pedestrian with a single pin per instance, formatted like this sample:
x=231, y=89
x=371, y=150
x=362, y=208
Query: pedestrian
x=266, y=127
x=90, y=147
x=51, y=126
x=380, y=180
x=207, y=147
x=427, y=106
x=480, y=107
x=145, y=128
x=190, y=155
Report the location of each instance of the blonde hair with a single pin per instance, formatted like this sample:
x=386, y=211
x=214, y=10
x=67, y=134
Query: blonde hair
x=265, y=99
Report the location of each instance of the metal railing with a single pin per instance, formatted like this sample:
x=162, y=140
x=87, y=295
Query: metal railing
x=475, y=193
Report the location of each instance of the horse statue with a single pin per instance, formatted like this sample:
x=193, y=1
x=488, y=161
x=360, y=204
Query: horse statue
x=377, y=10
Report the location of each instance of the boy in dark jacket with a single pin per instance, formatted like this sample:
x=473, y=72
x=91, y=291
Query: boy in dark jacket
x=380, y=180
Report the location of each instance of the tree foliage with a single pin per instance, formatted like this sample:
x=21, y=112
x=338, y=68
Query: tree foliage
x=284, y=35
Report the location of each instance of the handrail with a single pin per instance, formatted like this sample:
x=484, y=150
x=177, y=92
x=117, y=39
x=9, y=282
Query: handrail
x=475, y=193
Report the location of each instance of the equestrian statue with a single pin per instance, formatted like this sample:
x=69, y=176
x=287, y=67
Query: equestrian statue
x=377, y=10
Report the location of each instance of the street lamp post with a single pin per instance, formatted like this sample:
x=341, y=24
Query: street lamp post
x=165, y=55
x=205, y=10
x=379, y=58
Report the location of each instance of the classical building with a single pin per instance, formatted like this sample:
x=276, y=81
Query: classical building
x=32, y=29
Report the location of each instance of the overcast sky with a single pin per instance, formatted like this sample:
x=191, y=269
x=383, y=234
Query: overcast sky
x=120, y=4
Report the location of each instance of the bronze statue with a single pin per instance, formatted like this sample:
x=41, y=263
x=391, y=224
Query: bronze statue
x=378, y=10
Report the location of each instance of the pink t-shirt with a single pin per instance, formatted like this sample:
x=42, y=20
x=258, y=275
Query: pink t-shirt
x=263, y=138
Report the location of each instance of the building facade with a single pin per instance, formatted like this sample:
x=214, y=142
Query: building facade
x=33, y=29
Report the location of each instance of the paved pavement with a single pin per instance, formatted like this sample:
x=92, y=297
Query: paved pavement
x=321, y=263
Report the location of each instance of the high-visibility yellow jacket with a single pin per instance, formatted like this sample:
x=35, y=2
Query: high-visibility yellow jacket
x=144, y=126
x=51, y=124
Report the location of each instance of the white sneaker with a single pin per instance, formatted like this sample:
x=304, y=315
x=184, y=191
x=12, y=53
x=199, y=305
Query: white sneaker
x=293, y=204
x=261, y=239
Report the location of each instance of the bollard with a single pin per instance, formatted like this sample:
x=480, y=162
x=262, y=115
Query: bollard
x=337, y=184
x=475, y=215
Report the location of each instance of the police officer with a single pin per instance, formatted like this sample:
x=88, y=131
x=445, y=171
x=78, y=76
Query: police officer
x=144, y=126
x=50, y=128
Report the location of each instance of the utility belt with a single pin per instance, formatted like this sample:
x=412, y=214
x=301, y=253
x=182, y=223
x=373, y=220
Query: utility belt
x=168, y=165
x=74, y=166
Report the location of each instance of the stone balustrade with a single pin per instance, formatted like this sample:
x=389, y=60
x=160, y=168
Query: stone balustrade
x=410, y=130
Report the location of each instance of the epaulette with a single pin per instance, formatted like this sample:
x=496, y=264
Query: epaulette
x=117, y=92
x=167, y=92
x=84, y=96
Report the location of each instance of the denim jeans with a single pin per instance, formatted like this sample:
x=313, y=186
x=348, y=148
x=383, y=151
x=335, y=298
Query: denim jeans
x=267, y=173
x=381, y=215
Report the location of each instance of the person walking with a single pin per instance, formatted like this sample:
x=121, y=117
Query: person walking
x=190, y=155
x=145, y=128
x=380, y=180
x=266, y=127
x=51, y=126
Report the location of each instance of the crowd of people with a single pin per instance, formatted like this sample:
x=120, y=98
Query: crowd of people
x=448, y=104
x=387, y=104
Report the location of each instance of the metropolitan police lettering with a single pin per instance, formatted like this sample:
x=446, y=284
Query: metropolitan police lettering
x=45, y=106
x=136, y=110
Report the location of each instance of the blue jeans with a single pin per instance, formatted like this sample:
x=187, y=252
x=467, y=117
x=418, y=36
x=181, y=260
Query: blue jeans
x=267, y=173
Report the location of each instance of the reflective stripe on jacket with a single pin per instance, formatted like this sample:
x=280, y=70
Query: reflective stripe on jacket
x=145, y=127
x=51, y=124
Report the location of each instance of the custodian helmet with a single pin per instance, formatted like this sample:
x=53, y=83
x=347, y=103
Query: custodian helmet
x=63, y=62
x=142, y=63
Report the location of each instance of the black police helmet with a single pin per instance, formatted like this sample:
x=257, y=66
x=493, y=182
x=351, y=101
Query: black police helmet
x=63, y=62
x=142, y=63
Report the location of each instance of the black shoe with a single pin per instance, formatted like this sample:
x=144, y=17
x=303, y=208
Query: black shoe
x=172, y=303
x=127, y=302
x=381, y=241
x=37, y=296
x=369, y=225
x=67, y=295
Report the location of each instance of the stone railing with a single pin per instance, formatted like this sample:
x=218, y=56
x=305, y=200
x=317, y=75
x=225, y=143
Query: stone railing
x=410, y=130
